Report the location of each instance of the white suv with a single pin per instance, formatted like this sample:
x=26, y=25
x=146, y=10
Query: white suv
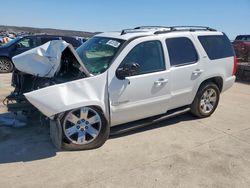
x=139, y=75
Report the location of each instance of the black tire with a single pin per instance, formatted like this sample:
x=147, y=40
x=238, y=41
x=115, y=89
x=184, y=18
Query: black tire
x=6, y=65
x=68, y=144
x=197, y=107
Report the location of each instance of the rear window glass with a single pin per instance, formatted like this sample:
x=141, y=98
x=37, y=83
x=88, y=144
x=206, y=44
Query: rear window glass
x=243, y=37
x=216, y=46
x=76, y=43
x=47, y=39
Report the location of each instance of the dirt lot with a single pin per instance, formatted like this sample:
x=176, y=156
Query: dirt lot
x=181, y=152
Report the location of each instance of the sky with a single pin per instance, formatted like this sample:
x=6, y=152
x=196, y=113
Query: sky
x=229, y=16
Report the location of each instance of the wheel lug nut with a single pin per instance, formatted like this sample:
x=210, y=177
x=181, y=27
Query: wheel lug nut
x=86, y=127
x=78, y=122
x=87, y=122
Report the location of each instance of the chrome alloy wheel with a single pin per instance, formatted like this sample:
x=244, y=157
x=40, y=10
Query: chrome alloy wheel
x=5, y=65
x=208, y=101
x=82, y=126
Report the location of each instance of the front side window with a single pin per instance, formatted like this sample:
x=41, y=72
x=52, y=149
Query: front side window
x=97, y=53
x=148, y=55
x=27, y=43
x=181, y=51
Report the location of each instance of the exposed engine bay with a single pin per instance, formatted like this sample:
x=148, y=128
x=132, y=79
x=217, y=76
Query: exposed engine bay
x=69, y=69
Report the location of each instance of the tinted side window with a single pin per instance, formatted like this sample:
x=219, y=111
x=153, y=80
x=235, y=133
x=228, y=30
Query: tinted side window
x=149, y=56
x=27, y=43
x=216, y=46
x=181, y=51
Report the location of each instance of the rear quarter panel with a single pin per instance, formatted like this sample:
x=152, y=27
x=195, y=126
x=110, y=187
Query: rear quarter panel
x=212, y=68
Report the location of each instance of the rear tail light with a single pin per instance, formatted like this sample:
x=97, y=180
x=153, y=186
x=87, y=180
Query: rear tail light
x=235, y=65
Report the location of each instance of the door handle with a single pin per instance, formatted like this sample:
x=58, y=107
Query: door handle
x=161, y=81
x=197, y=71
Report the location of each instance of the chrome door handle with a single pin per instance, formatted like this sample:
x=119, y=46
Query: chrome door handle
x=161, y=81
x=197, y=71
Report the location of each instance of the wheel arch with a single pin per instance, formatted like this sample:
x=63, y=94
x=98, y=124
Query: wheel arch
x=7, y=57
x=218, y=80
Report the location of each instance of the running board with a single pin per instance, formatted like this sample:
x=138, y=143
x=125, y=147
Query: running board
x=123, y=128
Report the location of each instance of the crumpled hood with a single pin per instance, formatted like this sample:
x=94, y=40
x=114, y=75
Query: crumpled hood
x=45, y=60
x=70, y=95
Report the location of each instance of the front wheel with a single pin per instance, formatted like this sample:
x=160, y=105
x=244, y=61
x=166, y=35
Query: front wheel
x=6, y=65
x=84, y=128
x=206, y=100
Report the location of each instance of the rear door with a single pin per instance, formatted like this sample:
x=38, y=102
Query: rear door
x=185, y=69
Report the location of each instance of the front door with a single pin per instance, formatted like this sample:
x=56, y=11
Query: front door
x=144, y=94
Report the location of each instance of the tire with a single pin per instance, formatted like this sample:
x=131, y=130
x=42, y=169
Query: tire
x=206, y=100
x=6, y=65
x=84, y=128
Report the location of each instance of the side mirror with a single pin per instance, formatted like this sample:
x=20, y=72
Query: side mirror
x=127, y=70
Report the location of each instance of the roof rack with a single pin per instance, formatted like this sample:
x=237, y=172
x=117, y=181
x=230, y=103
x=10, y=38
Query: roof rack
x=169, y=29
x=151, y=27
x=186, y=28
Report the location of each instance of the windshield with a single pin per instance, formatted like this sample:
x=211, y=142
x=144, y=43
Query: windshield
x=11, y=42
x=98, y=52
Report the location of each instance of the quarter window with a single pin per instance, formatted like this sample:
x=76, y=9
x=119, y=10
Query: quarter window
x=216, y=46
x=148, y=55
x=181, y=51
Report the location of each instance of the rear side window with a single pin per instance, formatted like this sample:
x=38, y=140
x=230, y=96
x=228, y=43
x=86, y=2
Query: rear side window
x=216, y=46
x=181, y=51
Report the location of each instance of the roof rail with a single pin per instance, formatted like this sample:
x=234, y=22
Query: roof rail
x=186, y=28
x=151, y=27
x=169, y=29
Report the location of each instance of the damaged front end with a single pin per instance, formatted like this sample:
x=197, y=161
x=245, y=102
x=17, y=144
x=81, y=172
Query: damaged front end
x=55, y=62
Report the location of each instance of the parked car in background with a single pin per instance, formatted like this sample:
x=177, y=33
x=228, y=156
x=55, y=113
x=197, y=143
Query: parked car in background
x=242, y=47
x=22, y=44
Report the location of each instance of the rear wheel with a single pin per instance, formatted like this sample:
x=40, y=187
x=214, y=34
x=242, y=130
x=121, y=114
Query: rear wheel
x=206, y=100
x=6, y=65
x=84, y=128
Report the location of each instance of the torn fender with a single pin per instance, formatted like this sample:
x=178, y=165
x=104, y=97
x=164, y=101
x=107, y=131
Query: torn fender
x=70, y=95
